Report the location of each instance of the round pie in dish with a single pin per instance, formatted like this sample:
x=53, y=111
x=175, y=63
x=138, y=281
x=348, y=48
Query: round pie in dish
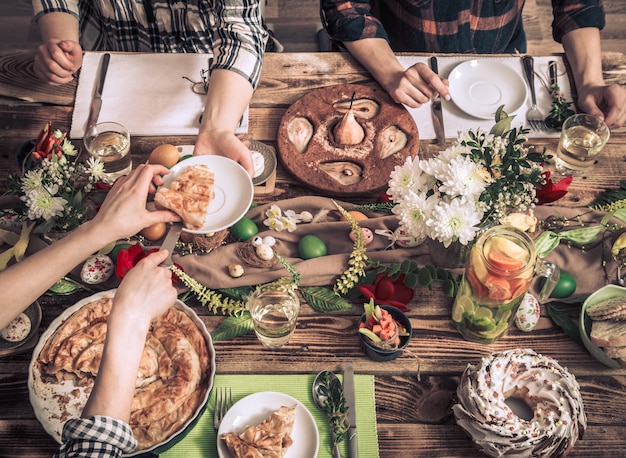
x=174, y=381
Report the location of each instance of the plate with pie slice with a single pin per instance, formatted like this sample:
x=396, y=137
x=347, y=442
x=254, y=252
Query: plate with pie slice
x=225, y=200
x=263, y=412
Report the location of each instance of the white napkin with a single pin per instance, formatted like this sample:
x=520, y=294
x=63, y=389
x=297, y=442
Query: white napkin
x=147, y=93
x=455, y=120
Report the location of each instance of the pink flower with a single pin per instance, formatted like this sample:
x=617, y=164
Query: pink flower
x=550, y=192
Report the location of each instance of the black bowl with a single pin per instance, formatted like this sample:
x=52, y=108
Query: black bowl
x=378, y=354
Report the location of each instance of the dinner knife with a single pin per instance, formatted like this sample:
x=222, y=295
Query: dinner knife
x=350, y=396
x=96, y=101
x=169, y=243
x=435, y=106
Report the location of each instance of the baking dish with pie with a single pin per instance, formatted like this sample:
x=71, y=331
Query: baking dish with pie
x=166, y=404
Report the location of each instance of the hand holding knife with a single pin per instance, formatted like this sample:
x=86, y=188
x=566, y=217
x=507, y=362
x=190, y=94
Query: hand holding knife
x=437, y=112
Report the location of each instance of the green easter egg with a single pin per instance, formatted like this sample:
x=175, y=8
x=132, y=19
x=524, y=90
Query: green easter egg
x=311, y=246
x=244, y=229
x=565, y=286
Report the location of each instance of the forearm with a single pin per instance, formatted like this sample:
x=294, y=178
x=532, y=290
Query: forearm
x=229, y=95
x=376, y=56
x=583, y=51
x=113, y=391
x=22, y=283
x=58, y=27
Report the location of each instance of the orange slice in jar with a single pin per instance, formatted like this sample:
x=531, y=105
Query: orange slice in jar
x=503, y=262
x=499, y=288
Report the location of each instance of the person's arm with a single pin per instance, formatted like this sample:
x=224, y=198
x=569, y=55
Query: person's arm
x=413, y=87
x=145, y=293
x=60, y=55
x=23, y=282
x=238, y=51
x=583, y=50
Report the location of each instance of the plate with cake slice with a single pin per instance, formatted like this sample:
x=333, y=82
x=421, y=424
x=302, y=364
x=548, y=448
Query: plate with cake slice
x=268, y=421
x=210, y=193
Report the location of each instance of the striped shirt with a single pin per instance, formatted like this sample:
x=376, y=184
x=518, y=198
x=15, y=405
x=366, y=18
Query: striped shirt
x=450, y=26
x=232, y=30
x=96, y=437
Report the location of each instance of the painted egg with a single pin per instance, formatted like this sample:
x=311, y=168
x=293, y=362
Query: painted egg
x=368, y=235
x=528, y=313
x=244, y=229
x=406, y=241
x=356, y=215
x=311, y=246
x=97, y=269
x=565, y=287
x=269, y=240
x=265, y=252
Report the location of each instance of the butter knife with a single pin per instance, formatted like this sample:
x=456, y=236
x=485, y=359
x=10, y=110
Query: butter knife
x=96, y=101
x=436, y=110
x=169, y=243
x=350, y=396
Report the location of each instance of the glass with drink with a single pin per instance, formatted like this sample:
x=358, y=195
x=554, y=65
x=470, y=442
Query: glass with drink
x=498, y=274
x=582, y=138
x=110, y=142
x=274, y=310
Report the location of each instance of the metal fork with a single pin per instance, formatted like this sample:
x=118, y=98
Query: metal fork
x=534, y=117
x=223, y=403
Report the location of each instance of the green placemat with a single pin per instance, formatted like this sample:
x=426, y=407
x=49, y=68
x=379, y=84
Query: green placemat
x=200, y=442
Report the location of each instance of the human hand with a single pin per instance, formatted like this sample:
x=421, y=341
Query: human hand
x=416, y=86
x=57, y=61
x=226, y=144
x=123, y=213
x=146, y=291
x=608, y=102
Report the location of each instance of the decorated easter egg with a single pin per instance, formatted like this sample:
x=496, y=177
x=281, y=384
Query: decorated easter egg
x=97, y=269
x=264, y=252
x=235, y=270
x=528, y=313
x=565, y=287
x=406, y=241
x=311, y=246
x=368, y=235
x=244, y=229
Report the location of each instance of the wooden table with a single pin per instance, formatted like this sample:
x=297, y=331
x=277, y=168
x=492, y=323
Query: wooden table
x=414, y=418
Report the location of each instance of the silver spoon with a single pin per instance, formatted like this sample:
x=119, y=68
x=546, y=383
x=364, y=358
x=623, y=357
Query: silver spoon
x=321, y=380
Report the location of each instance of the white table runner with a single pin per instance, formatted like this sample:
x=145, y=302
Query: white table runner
x=147, y=93
x=456, y=120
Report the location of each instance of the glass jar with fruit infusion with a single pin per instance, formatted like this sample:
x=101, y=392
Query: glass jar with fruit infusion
x=499, y=271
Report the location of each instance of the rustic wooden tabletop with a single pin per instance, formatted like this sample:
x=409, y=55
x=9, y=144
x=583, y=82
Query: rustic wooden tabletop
x=414, y=418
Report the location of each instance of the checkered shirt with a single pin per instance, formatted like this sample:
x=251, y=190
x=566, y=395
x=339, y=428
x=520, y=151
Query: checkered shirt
x=96, y=437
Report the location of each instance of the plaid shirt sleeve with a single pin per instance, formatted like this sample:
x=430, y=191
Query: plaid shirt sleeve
x=462, y=26
x=97, y=437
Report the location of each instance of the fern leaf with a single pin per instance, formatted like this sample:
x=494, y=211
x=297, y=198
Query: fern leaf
x=324, y=300
x=233, y=326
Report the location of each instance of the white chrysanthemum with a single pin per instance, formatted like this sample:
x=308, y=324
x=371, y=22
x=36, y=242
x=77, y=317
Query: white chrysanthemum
x=68, y=148
x=404, y=178
x=413, y=211
x=32, y=180
x=462, y=177
x=43, y=204
x=95, y=168
x=453, y=221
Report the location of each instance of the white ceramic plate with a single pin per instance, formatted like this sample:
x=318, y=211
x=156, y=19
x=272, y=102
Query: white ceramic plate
x=233, y=190
x=604, y=293
x=479, y=87
x=55, y=403
x=255, y=408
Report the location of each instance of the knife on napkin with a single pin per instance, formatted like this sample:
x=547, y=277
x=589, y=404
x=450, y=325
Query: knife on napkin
x=350, y=396
x=435, y=106
x=96, y=101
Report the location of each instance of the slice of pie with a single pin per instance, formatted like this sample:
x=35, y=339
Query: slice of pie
x=269, y=439
x=189, y=195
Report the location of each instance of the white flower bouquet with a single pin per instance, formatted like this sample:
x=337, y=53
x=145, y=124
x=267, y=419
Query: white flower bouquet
x=473, y=183
x=53, y=185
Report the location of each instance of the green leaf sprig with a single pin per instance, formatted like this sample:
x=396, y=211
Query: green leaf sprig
x=209, y=298
x=334, y=406
x=358, y=259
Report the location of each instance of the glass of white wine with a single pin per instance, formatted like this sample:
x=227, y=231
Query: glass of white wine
x=582, y=138
x=110, y=142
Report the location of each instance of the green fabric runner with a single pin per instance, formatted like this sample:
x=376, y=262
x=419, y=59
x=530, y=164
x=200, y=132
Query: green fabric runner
x=200, y=442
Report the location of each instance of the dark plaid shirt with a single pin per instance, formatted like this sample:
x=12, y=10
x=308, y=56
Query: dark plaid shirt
x=96, y=437
x=450, y=26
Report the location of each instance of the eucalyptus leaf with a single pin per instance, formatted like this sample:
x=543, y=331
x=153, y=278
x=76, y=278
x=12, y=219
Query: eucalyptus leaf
x=324, y=300
x=233, y=326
